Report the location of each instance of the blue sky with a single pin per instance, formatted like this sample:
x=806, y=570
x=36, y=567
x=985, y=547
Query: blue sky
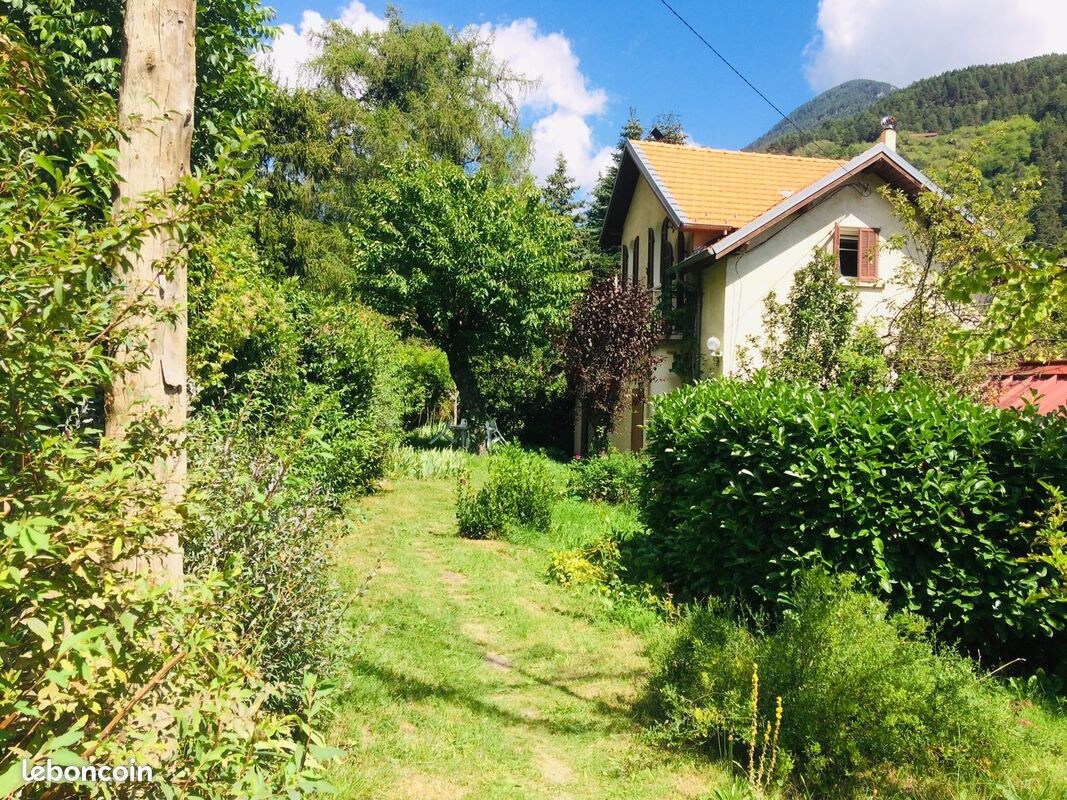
x=596, y=59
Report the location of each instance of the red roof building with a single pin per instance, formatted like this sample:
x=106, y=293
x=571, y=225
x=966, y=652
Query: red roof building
x=1047, y=381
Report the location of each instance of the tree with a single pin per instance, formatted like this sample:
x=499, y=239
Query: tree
x=87, y=38
x=560, y=189
x=377, y=96
x=421, y=83
x=609, y=350
x=156, y=99
x=813, y=336
x=601, y=194
x=979, y=294
x=477, y=268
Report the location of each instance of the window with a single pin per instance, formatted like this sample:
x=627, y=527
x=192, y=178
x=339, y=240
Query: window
x=650, y=265
x=856, y=250
x=634, y=260
x=625, y=263
x=666, y=261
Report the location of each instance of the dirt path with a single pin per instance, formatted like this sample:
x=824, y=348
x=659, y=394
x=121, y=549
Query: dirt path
x=474, y=678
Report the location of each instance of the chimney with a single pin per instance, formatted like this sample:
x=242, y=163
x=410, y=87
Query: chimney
x=889, y=132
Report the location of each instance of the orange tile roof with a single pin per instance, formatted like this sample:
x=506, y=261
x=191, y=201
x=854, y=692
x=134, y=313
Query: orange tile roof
x=727, y=187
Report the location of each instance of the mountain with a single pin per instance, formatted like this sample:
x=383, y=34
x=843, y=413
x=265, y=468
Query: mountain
x=843, y=100
x=1019, y=110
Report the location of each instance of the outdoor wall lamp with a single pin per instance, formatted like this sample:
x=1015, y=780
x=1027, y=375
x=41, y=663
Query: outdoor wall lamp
x=714, y=347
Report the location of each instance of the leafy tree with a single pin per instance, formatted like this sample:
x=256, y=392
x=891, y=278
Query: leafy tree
x=977, y=288
x=84, y=37
x=421, y=83
x=813, y=336
x=477, y=268
x=610, y=349
x=377, y=96
x=669, y=129
x=560, y=189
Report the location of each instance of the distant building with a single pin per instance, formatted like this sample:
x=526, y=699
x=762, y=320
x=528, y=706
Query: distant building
x=1045, y=385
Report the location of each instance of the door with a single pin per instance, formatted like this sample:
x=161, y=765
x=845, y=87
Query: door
x=637, y=422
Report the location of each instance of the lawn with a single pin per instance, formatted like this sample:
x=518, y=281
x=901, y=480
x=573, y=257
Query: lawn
x=471, y=676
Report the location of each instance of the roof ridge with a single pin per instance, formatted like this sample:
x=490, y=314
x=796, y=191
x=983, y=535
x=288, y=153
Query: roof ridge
x=747, y=153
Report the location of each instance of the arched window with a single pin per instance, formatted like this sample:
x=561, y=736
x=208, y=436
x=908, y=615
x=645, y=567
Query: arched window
x=634, y=260
x=625, y=263
x=679, y=295
x=650, y=265
x=666, y=261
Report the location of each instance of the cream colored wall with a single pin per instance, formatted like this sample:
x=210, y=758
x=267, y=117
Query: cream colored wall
x=770, y=262
x=645, y=212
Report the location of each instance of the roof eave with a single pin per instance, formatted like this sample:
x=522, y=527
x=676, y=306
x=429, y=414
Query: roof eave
x=812, y=192
x=612, y=236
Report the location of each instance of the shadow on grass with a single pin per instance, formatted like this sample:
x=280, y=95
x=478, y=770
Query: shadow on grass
x=602, y=716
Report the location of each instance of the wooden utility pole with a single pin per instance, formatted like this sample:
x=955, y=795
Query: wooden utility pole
x=156, y=115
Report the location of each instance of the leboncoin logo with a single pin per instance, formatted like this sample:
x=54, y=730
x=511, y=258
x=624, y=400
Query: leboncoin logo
x=88, y=773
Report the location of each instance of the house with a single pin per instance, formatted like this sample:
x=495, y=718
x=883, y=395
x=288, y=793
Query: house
x=718, y=230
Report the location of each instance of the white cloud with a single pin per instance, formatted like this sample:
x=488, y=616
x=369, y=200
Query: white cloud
x=902, y=40
x=559, y=93
x=295, y=45
x=569, y=133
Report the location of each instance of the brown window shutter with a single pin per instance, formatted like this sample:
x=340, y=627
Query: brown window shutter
x=868, y=255
x=837, y=242
x=625, y=263
x=636, y=258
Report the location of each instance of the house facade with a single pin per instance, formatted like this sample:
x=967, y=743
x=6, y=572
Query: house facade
x=715, y=231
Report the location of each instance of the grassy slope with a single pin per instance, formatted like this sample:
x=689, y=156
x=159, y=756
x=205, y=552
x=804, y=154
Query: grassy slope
x=475, y=678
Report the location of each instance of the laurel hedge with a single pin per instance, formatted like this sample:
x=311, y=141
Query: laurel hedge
x=928, y=498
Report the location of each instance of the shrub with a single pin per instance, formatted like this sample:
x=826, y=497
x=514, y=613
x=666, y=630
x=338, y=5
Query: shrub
x=922, y=495
x=349, y=359
x=519, y=492
x=597, y=564
x=407, y=462
x=425, y=385
x=867, y=700
x=610, y=477
x=252, y=508
x=99, y=663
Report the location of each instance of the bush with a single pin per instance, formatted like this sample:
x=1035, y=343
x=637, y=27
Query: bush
x=99, y=663
x=519, y=492
x=867, y=700
x=425, y=385
x=610, y=477
x=407, y=462
x=253, y=508
x=923, y=496
x=349, y=359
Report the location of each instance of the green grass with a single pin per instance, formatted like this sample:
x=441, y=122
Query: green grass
x=471, y=676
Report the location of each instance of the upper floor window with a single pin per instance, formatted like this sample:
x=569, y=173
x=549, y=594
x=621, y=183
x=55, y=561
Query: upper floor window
x=856, y=250
x=634, y=260
x=650, y=265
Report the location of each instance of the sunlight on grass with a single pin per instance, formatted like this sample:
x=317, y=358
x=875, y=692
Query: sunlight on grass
x=471, y=676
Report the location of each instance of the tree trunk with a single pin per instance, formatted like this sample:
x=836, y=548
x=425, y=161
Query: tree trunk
x=156, y=114
x=471, y=405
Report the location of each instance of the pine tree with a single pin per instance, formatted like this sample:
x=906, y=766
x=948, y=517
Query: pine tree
x=560, y=190
x=601, y=194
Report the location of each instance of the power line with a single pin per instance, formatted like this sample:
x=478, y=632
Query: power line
x=738, y=73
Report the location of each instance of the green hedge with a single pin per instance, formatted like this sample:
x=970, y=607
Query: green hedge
x=924, y=496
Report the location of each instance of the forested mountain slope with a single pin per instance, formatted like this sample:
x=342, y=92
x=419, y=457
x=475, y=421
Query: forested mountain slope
x=1018, y=110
